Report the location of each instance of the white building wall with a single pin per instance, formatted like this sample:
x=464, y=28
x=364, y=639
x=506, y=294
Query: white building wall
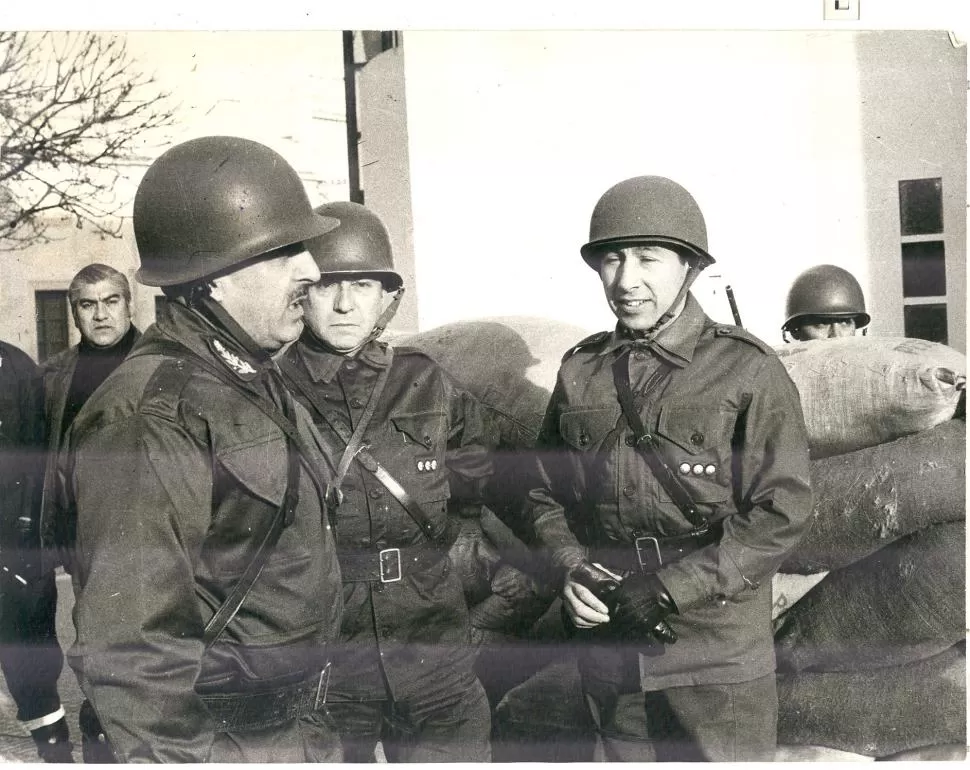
x=513, y=137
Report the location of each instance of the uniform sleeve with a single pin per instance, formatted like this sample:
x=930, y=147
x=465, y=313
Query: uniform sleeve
x=21, y=463
x=555, y=475
x=142, y=490
x=467, y=456
x=772, y=491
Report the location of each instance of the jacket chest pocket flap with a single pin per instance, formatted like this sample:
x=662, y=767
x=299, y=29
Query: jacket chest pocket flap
x=259, y=465
x=587, y=428
x=427, y=429
x=697, y=447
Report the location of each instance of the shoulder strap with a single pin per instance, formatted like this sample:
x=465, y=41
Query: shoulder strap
x=365, y=458
x=646, y=443
x=590, y=340
x=356, y=441
x=284, y=516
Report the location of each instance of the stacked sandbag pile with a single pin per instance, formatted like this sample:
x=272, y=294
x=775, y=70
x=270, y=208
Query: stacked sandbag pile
x=869, y=608
x=871, y=659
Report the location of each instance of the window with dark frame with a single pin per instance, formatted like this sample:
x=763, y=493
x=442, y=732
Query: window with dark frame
x=923, y=257
x=53, y=324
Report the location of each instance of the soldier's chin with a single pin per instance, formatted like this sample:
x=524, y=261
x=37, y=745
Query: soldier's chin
x=636, y=321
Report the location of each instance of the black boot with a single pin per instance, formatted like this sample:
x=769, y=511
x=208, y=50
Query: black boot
x=54, y=742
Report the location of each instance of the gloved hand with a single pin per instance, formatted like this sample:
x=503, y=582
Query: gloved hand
x=600, y=583
x=54, y=742
x=642, y=605
x=588, y=595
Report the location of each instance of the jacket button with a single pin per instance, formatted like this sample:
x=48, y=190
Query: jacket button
x=356, y=403
x=376, y=493
x=640, y=356
x=698, y=470
x=630, y=440
x=685, y=468
x=709, y=470
x=629, y=490
x=583, y=439
x=697, y=438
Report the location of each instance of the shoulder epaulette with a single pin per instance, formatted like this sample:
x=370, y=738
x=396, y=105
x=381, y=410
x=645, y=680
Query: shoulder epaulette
x=412, y=350
x=737, y=333
x=592, y=339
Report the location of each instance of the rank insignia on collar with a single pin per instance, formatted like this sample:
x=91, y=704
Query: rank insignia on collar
x=240, y=366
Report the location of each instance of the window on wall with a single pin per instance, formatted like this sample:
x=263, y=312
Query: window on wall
x=924, y=259
x=53, y=324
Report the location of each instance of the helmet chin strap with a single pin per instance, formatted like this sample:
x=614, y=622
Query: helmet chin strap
x=692, y=272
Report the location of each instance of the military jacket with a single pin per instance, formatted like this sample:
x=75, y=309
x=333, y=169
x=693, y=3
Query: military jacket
x=56, y=375
x=426, y=431
x=173, y=473
x=729, y=423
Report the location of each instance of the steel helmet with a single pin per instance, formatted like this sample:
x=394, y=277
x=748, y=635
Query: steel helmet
x=211, y=203
x=359, y=245
x=825, y=290
x=648, y=210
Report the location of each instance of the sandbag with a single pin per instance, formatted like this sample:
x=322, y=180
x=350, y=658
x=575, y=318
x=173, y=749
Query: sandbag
x=863, y=391
x=877, y=713
x=866, y=499
x=903, y=603
x=508, y=363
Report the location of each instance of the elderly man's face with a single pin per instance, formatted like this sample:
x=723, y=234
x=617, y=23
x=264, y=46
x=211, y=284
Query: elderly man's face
x=641, y=283
x=266, y=297
x=102, y=314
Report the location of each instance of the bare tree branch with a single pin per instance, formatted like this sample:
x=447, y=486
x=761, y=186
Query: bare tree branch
x=72, y=108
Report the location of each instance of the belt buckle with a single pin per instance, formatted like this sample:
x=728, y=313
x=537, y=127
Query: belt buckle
x=649, y=560
x=390, y=563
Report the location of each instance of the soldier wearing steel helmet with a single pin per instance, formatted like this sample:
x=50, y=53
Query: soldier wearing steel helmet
x=824, y=302
x=675, y=479
x=206, y=574
x=413, y=463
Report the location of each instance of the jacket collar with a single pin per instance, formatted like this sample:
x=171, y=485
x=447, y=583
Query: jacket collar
x=206, y=338
x=674, y=343
x=323, y=362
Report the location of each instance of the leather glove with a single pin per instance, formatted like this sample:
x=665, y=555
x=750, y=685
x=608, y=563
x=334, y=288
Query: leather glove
x=54, y=742
x=602, y=584
x=642, y=605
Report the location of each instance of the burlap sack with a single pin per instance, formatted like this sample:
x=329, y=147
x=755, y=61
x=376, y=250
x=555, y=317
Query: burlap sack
x=864, y=500
x=509, y=363
x=877, y=713
x=863, y=391
x=903, y=603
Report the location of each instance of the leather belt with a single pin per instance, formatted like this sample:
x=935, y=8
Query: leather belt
x=256, y=710
x=648, y=553
x=391, y=564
